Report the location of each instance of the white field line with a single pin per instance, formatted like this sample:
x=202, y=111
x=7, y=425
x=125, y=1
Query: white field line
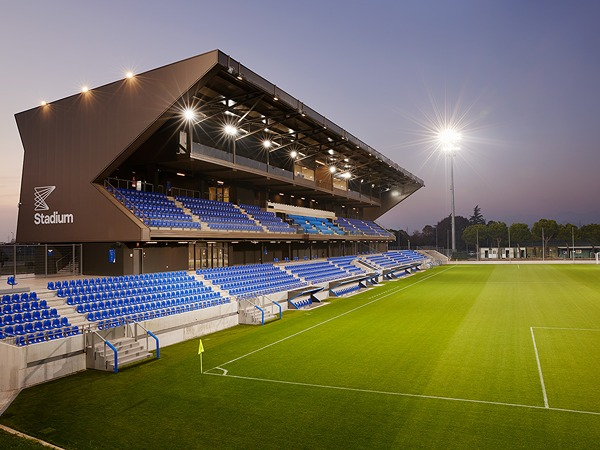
x=537, y=358
x=376, y=299
x=404, y=394
x=567, y=329
x=539, y=365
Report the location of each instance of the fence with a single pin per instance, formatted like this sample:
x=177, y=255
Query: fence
x=40, y=260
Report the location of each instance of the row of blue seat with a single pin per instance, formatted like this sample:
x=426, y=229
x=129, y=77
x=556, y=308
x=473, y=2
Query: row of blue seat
x=162, y=223
x=129, y=295
x=124, y=302
x=107, y=289
x=162, y=307
x=266, y=287
x=47, y=335
x=346, y=290
x=12, y=308
x=179, y=275
x=32, y=327
x=29, y=316
x=16, y=298
x=301, y=303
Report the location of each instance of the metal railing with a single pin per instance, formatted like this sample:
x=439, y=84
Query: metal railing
x=112, y=347
x=22, y=261
x=147, y=333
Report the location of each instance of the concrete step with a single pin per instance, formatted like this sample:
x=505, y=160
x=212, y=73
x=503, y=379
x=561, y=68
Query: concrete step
x=128, y=359
x=122, y=345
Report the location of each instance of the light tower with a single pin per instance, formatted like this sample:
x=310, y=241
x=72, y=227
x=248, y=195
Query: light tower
x=449, y=139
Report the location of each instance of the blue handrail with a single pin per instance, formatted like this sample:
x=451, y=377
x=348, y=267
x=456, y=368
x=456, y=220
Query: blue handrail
x=116, y=353
x=279, y=306
x=157, y=344
x=262, y=313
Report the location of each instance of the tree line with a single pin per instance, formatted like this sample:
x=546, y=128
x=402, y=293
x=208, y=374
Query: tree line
x=493, y=233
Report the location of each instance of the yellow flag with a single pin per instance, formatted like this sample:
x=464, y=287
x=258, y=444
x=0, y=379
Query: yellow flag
x=201, y=348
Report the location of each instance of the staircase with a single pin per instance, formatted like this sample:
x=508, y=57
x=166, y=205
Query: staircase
x=435, y=256
x=128, y=351
x=249, y=314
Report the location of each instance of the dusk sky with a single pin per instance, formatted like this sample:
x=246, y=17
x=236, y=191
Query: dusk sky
x=520, y=78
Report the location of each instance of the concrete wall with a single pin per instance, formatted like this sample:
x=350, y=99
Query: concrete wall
x=33, y=364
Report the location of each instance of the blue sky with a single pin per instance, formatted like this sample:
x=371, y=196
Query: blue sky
x=520, y=77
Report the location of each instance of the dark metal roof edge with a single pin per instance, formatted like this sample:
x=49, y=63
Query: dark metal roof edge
x=234, y=67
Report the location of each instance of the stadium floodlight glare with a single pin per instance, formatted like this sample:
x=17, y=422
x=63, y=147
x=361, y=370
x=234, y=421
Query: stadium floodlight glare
x=332, y=169
x=189, y=114
x=346, y=175
x=129, y=74
x=293, y=154
x=230, y=130
x=43, y=103
x=84, y=89
x=267, y=143
x=449, y=139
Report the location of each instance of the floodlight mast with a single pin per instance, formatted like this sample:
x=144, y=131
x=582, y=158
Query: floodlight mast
x=449, y=139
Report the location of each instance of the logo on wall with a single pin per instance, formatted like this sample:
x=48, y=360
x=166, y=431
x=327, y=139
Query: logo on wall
x=40, y=195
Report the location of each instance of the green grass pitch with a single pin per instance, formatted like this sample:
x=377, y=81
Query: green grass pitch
x=479, y=356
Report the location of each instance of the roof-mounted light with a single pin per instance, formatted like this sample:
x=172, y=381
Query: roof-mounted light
x=189, y=114
x=230, y=130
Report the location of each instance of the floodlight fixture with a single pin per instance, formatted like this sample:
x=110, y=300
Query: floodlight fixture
x=267, y=143
x=449, y=139
x=84, y=89
x=294, y=154
x=129, y=74
x=189, y=114
x=230, y=130
x=332, y=169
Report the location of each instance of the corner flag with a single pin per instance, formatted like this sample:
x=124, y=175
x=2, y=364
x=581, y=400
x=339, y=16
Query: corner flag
x=200, y=351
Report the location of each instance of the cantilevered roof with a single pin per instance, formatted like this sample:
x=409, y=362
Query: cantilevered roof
x=76, y=142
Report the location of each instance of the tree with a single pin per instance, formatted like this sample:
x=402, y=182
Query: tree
x=477, y=217
x=549, y=229
x=445, y=225
x=567, y=233
x=428, y=235
x=497, y=231
x=519, y=233
x=474, y=234
x=591, y=234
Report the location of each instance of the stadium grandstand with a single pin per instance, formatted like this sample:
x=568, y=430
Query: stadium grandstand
x=199, y=196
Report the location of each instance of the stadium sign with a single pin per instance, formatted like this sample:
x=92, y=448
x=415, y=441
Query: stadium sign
x=40, y=195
